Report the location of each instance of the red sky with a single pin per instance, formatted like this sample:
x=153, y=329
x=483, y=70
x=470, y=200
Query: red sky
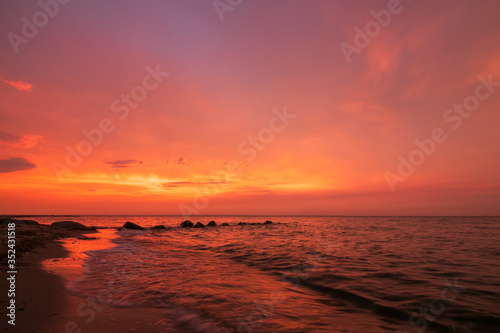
x=206, y=138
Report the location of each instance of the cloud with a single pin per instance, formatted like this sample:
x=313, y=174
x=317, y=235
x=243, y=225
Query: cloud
x=190, y=184
x=20, y=85
x=15, y=164
x=25, y=141
x=9, y=138
x=367, y=111
x=119, y=164
x=182, y=161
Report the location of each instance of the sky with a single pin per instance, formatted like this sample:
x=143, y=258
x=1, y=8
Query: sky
x=286, y=107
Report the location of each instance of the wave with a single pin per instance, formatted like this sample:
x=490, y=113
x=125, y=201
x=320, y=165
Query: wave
x=206, y=280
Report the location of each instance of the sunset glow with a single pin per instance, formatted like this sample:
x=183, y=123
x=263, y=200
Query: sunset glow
x=158, y=107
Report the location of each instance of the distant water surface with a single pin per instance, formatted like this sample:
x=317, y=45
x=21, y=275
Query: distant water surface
x=303, y=274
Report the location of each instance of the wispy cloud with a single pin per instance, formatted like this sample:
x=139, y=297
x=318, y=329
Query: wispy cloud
x=20, y=141
x=19, y=85
x=190, y=184
x=15, y=164
x=8, y=138
x=119, y=164
x=182, y=161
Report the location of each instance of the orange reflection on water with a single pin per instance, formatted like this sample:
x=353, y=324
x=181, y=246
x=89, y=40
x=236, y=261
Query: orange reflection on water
x=71, y=267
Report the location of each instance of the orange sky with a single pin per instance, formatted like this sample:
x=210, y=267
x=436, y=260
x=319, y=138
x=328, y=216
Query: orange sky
x=258, y=113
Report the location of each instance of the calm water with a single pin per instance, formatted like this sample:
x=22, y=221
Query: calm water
x=306, y=274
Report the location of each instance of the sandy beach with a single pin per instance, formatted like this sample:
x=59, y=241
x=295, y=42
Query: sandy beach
x=47, y=259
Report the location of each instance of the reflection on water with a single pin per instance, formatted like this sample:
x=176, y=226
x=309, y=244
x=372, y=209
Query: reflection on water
x=71, y=267
x=306, y=274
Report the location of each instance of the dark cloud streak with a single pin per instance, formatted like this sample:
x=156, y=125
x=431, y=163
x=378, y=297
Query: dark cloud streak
x=15, y=164
x=119, y=164
x=9, y=138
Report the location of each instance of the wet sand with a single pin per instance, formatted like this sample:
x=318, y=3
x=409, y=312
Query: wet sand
x=47, y=258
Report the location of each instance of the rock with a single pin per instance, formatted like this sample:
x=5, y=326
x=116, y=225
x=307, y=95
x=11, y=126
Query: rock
x=268, y=222
x=242, y=223
x=130, y=225
x=211, y=224
x=8, y=220
x=71, y=225
x=86, y=238
x=158, y=227
x=187, y=224
x=225, y=224
x=199, y=225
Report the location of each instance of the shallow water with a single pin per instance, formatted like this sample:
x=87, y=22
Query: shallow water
x=305, y=274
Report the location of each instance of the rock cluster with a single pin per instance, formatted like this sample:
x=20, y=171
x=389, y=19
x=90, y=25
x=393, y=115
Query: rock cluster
x=189, y=224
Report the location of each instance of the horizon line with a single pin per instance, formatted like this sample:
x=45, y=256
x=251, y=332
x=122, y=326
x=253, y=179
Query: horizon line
x=255, y=215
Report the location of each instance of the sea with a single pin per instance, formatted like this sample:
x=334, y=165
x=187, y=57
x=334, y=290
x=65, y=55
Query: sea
x=301, y=273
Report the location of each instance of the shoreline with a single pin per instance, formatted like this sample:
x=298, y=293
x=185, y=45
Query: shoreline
x=49, y=258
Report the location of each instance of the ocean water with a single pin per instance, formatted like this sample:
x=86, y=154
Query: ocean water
x=303, y=274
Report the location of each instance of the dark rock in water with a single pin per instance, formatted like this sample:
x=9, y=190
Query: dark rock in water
x=268, y=222
x=211, y=224
x=8, y=220
x=187, y=224
x=225, y=224
x=71, y=225
x=199, y=225
x=242, y=223
x=130, y=225
x=86, y=238
x=158, y=227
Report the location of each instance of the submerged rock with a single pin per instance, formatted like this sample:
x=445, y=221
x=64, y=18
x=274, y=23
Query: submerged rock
x=86, y=238
x=268, y=222
x=158, y=227
x=242, y=223
x=187, y=224
x=225, y=224
x=71, y=225
x=211, y=224
x=199, y=225
x=130, y=225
